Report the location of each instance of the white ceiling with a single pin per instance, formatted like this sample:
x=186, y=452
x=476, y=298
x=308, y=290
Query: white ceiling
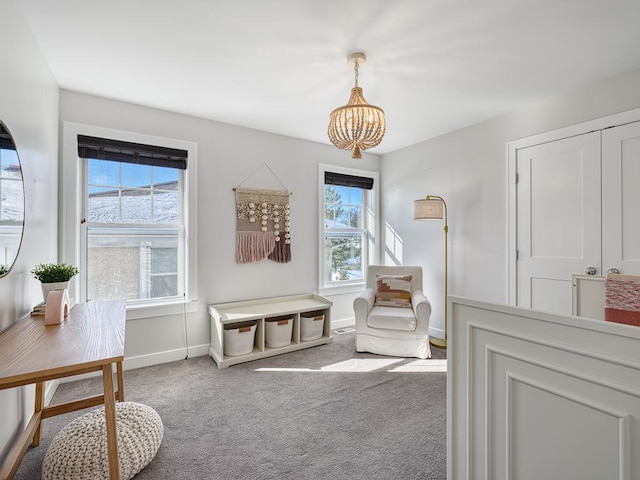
x=280, y=65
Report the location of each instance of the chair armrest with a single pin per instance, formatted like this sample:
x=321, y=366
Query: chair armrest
x=422, y=310
x=363, y=304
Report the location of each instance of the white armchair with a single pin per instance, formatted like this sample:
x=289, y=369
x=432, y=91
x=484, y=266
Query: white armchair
x=392, y=330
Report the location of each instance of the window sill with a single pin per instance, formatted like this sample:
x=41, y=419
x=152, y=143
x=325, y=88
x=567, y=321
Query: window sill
x=161, y=309
x=342, y=289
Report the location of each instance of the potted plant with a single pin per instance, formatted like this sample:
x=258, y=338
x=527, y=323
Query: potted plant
x=54, y=276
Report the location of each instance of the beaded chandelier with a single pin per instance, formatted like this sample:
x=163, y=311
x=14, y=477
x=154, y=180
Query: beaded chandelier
x=357, y=126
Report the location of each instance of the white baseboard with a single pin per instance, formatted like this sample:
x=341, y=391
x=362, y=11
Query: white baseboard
x=165, y=357
x=154, y=358
x=148, y=360
x=343, y=322
x=199, y=350
x=436, y=332
x=50, y=390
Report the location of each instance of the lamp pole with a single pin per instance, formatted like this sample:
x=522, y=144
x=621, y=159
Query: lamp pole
x=442, y=342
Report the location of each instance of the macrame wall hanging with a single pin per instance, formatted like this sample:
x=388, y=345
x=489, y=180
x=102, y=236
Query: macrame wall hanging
x=263, y=224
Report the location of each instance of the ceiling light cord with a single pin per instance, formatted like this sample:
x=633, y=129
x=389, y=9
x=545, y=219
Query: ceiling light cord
x=355, y=68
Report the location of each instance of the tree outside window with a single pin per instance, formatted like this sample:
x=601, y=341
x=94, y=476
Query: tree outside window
x=344, y=233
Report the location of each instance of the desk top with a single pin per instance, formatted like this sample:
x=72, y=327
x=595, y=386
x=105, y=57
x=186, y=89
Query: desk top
x=90, y=336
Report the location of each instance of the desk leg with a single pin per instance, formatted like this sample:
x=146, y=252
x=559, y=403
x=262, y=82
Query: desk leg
x=110, y=413
x=38, y=408
x=120, y=382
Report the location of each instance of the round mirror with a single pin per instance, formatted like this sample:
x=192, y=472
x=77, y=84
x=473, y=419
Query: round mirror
x=11, y=201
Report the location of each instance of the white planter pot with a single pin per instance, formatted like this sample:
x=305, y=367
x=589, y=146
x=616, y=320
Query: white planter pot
x=47, y=287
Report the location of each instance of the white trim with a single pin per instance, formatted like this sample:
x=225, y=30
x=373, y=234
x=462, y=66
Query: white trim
x=50, y=390
x=609, y=121
x=198, y=350
x=161, y=309
x=373, y=252
x=71, y=188
x=148, y=360
x=343, y=322
x=512, y=223
x=512, y=148
x=342, y=289
x=436, y=332
x=165, y=357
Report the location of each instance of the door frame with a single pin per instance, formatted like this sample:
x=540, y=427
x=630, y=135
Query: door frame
x=512, y=147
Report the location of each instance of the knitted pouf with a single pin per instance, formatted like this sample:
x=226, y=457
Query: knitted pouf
x=79, y=450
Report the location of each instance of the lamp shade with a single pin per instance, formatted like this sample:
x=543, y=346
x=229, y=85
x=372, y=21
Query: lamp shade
x=428, y=209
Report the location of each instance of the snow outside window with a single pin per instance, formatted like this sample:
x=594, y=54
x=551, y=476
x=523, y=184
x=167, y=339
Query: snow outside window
x=134, y=233
x=11, y=207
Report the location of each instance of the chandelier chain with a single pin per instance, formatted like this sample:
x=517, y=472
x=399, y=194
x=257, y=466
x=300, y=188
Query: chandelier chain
x=355, y=68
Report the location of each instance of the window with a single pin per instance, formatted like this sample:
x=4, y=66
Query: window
x=133, y=227
x=348, y=240
x=11, y=201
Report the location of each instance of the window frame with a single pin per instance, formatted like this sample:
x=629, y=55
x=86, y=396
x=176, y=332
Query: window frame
x=371, y=227
x=9, y=227
x=87, y=225
x=72, y=196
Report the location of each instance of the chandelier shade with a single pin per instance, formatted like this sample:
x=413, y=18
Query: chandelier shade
x=356, y=126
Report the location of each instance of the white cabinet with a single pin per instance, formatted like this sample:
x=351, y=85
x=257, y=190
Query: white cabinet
x=262, y=311
x=576, y=211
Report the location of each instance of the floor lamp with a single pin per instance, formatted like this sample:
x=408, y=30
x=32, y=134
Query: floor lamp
x=433, y=207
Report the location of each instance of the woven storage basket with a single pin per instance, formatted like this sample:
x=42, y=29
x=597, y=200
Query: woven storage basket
x=278, y=331
x=239, y=338
x=311, y=326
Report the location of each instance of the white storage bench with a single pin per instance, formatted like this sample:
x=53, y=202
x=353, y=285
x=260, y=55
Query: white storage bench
x=262, y=311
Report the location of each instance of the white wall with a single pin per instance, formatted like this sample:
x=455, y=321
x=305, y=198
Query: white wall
x=29, y=109
x=468, y=167
x=227, y=155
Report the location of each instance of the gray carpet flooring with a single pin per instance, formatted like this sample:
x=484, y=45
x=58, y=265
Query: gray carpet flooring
x=326, y=412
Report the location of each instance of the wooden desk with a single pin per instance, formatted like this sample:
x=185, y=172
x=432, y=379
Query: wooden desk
x=90, y=339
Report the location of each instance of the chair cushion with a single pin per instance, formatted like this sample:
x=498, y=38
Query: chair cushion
x=79, y=450
x=392, y=318
x=393, y=290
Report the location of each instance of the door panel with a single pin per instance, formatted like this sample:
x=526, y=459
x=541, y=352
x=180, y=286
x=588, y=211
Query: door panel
x=558, y=212
x=621, y=198
x=548, y=293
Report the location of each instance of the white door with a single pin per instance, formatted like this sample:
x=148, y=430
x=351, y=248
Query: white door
x=558, y=219
x=621, y=198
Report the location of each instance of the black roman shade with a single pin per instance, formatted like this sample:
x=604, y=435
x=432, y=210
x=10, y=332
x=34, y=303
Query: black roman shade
x=342, y=180
x=128, y=152
x=6, y=141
